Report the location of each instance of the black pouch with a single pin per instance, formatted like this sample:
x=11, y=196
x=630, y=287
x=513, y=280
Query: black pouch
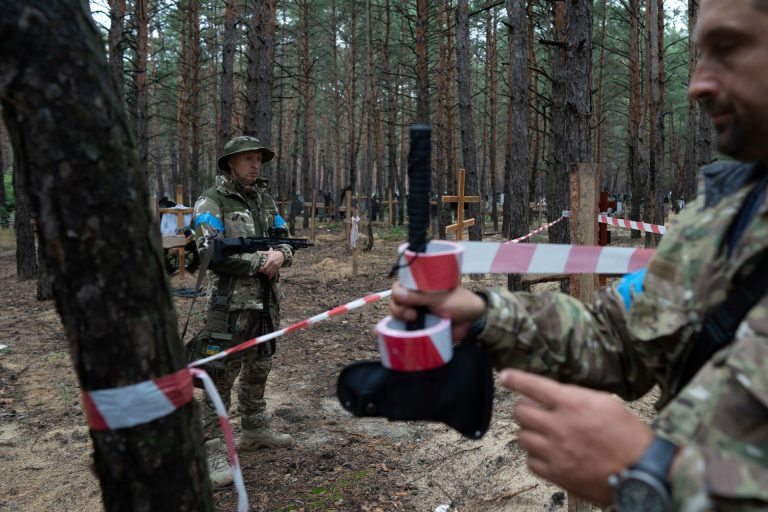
x=459, y=393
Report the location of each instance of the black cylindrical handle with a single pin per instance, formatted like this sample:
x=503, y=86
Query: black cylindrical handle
x=419, y=177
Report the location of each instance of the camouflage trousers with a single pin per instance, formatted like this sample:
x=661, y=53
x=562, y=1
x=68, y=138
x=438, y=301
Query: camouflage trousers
x=253, y=370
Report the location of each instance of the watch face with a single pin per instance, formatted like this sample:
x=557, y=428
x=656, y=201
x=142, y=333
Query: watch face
x=639, y=495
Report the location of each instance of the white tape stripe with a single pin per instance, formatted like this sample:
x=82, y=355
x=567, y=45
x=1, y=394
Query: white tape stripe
x=481, y=257
x=536, y=231
x=478, y=257
x=549, y=259
x=315, y=319
x=131, y=405
x=631, y=224
x=221, y=411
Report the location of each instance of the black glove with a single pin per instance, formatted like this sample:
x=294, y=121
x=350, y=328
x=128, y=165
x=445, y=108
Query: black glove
x=459, y=393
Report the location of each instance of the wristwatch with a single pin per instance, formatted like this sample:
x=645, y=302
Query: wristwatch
x=644, y=486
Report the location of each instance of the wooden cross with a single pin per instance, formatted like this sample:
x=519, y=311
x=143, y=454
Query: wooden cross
x=390, y=207
x=461, y=199
x=178, y=242
x=312, y=210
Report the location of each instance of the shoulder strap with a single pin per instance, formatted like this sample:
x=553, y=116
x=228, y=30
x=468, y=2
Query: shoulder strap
x=719, y=327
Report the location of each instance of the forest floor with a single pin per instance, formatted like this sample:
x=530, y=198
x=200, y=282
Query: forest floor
x=338, y=463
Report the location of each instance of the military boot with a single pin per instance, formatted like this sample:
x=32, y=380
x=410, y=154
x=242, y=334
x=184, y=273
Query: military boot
x=263, y=437
x=218, y=464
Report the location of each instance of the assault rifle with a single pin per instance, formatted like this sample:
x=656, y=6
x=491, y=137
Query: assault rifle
x=223, y=247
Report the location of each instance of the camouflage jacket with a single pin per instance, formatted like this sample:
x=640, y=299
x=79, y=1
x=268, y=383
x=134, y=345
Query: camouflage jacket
x=234, y=211
x=628, y=341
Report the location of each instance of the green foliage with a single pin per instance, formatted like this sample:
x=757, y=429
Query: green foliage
x=323, y=497
x=394, y=233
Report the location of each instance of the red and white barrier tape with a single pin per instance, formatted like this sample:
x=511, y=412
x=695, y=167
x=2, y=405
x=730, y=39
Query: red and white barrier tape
x=298, y=325
x=229, y=438
x=484, y=258
x=137, y=404
x=536, y=231
x=438, y=269
x=631, y=224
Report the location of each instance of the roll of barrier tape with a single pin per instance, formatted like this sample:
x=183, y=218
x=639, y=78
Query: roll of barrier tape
x=437, y=270
x=413, y=351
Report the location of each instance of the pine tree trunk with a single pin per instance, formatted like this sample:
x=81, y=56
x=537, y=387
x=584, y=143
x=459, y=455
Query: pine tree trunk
x=516, y=164
x=26, y=256
x=227, y=73
x=183, y=113
x=3, y=158
x=689, y=172
x=422, y=61
x=493, y=101
x=468, y=148
x=635, y=113
x=140, y=95
x=558, y=177
x=117, y=44
x=44, y=278
x=194, y=101
x=113, y=297
x=655, y=193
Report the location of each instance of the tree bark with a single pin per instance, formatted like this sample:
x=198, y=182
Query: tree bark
x=689, y=171
x=635, y=113
x=655, y=191
x=113, y=297
x=422, y=61
x=558, y=176
x=261, y=44
x=26, y=256
x=140, y=93
x=516, y=158
x=3, y=159
x=229, y=41
x=194, y=101
x=466, y=121
x=117, y=44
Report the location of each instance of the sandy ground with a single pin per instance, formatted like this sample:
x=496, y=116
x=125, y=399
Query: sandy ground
x=338, y=463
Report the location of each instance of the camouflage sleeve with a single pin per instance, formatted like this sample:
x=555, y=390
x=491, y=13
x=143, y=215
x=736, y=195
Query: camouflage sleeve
x=287, y=254
x=709, y=480
x=558, y=336
x=208, y=224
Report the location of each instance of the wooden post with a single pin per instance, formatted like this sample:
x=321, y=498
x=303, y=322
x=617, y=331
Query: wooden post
x=583, y=224
x=347, y=213
x=312, y=212
x=390, y=210
x=356, y=248
x=461, y=199
x=178, y=242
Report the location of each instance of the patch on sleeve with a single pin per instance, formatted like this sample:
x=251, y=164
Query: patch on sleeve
x=631, y=283
x=207, y=218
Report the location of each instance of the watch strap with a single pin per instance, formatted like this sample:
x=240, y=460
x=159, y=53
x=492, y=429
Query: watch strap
x=657, y=459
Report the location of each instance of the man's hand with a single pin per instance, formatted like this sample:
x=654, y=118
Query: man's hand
x=575, y=437
x=460, y=305
x=271, y=267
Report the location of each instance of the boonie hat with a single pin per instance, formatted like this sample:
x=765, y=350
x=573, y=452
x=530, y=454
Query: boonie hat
x=243, y=144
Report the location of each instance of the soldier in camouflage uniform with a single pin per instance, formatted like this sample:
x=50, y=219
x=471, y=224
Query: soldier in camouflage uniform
x=639, y=332
x=239, y=205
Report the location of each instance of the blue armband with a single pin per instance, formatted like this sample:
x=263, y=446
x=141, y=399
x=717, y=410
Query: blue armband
x=207, y=218
x=631, y=283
